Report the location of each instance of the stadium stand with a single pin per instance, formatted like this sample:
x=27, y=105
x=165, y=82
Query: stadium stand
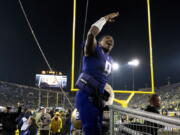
x=170, y=96
x=11, y=93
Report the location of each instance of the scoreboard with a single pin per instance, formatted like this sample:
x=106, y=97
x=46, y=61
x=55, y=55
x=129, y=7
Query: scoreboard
x=51, y=81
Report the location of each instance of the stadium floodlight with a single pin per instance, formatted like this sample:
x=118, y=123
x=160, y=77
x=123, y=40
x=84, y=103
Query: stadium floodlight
x=134, y=62
x=115, y=66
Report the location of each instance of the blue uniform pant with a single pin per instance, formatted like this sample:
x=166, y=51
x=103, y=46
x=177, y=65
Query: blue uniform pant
x=90, y=115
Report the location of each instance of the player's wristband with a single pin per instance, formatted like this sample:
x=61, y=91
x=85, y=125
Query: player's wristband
x=100, y=23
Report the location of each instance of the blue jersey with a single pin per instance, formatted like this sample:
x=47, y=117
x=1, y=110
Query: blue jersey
x=98, y=65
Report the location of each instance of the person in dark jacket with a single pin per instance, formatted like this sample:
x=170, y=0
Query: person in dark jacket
x=19, y=119
x=8, y=119
x=154, y=107
x=33, y=128
x=148, y=127
x=155, y=104
x=24, y=121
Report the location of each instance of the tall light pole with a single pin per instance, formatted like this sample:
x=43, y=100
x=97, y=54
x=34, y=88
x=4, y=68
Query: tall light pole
x=133, y=63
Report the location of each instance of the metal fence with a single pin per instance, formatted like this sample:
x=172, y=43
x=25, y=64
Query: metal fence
x=127, y=121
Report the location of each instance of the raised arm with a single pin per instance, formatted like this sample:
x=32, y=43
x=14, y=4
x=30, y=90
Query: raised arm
x=94, y=31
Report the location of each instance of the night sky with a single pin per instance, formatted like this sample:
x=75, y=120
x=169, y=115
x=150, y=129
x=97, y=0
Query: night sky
x=21, y=59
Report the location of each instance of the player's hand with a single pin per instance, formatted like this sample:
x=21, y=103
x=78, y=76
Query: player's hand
x=110, y=17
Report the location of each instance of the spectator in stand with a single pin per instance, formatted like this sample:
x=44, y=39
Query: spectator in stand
x=24, y=121
x=37, y=115
x=8, y=119
x=32, y=128
x=44, y=122
x=63, y=117
x=68, y=122
x=155, y=104
x=52, y=113
x=56, y=124
x=154, y=107
x=165, y=112
x=19, y=118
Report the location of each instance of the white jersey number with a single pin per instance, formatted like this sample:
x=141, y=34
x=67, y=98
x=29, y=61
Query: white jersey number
x=108, y=68
x=77, y=116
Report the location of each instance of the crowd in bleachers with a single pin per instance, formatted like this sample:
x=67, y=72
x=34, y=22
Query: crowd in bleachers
x=26, y=121
x=13, y=93
x=29, y=96
x=170, y=96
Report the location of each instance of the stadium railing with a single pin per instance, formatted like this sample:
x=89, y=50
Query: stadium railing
x=127, y=121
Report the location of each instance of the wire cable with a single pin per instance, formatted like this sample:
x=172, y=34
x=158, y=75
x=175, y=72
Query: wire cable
x=35, y=38
x=85, y=20
x=37, y=43
x=83, y=37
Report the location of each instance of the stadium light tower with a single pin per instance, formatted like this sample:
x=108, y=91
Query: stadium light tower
x=133, y=63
